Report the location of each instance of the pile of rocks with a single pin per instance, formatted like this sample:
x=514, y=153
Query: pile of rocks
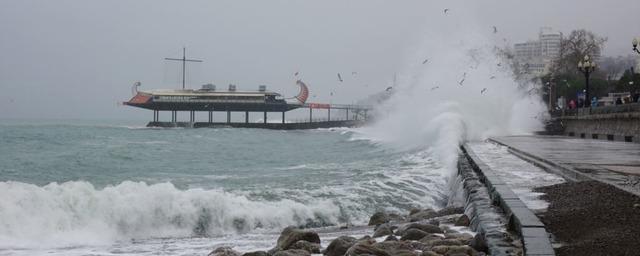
x=419, y=233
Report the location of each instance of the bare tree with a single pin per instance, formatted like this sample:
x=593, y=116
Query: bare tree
x=613, y=68
x=574, y=47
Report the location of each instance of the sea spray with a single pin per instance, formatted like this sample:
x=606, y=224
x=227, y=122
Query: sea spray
x=465, y=91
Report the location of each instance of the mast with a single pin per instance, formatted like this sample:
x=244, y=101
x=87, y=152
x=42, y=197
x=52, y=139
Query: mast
x=184, y=64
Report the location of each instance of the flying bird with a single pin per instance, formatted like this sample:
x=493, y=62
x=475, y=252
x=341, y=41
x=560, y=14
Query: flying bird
x=354, y=73
x=483, y=90
x=331, y=93
x=339, y=77
x=499, y=64
x=388, y=88
x=446, y=10
x=495, y=30
x=492, y=77
x=461, y=81
x=435, y=87
x=296, y=73
x=425, y=61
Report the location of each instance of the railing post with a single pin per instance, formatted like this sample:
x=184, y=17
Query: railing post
x=283, y=117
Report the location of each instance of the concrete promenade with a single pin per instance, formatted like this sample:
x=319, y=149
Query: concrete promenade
x=615, y=163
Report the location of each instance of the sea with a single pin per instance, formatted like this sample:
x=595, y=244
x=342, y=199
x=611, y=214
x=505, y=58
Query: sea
x=70, y=187
x=119, y=188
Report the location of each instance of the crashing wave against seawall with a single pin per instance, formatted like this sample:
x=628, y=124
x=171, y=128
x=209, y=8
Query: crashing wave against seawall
x=78, y=213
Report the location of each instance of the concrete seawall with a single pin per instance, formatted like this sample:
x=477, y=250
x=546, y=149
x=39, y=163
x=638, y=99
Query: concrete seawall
x=520, y=219
x=614, y=123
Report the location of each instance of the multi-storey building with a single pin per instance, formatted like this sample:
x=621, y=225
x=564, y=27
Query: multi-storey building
x=536, y=56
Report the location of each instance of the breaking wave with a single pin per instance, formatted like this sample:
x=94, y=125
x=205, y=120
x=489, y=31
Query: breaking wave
x=76, y=213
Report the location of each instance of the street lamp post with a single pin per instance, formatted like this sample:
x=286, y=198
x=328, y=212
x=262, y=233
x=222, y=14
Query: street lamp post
x=635, y=45
x=587, y=67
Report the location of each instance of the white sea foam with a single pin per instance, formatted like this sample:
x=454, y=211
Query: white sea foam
x=76, y=213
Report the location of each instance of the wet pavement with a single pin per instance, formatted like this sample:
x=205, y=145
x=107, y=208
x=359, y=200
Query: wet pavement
x=521, y=176
x=616, y=163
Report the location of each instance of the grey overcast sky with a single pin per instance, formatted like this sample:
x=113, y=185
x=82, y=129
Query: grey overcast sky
x=78, y=58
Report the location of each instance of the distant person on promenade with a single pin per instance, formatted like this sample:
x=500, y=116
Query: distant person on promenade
x=636, y=97
x=594, y=102
x=572, y=104
x=618, y=101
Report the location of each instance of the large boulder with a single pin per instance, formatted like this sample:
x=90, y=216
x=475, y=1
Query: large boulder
x=339, y=246
x=379, y=218
x=365, y=247
x=393, y=247
x=421, y=226
x=292, y=252
x=423, y=215
x=306, y=245
x=450, y=211
x=256, y=253
x=290, y=235
x=383, y=230
x=413, y=234
x=462, y=237
x=463, y=221
x=224, y=251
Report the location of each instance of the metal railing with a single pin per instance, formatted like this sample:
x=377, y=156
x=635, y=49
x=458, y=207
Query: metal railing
x=622, y=108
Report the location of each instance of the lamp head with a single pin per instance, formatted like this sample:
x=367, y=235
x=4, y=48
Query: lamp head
x=580, y=64
x=586, y=58
x=635, y=42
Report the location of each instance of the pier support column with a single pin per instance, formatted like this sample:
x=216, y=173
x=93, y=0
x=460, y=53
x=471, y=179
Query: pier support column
x=192, y=116
x=310, y=115
x=228, y=116
x=155, y=116
x=347, y=114
x=265, y=117
x=283, y=117
x=355, y=116
x=329, y=114
x=174, y=116
x=365, y=115
x=246, y=117
x=210, y=116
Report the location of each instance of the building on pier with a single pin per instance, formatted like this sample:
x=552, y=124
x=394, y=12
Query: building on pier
x=208, y=99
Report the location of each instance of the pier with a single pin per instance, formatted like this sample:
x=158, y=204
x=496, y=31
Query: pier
x=353, y=116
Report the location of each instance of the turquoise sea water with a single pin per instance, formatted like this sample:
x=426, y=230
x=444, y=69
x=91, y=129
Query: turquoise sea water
x=101, y=185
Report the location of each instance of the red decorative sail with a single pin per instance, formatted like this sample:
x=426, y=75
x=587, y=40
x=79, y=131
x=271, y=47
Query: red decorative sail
x=304, y=92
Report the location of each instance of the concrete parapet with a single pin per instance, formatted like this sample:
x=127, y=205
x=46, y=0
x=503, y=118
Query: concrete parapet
x=521, y=219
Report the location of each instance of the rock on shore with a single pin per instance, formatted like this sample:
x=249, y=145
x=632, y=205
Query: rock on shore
x=422, y=236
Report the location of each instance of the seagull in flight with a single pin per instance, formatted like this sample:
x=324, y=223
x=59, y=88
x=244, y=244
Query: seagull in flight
x=296, y=73
x=388, y=88
x=446, y=10
x=435, y=87
x=461, y=81
x=492, y=77
x=483, y=90
x=339, y=77
x=495, y=30
x=425, y=61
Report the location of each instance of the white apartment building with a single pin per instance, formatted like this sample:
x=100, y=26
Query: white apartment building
x=535, y=56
